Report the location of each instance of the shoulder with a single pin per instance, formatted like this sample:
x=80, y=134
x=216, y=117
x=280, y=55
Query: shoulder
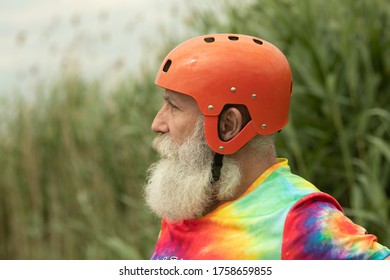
x=316, y=228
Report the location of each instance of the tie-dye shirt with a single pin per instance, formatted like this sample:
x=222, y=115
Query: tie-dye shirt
x=280, y=216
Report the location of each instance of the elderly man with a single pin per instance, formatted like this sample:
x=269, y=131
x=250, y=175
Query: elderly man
x=218, y=187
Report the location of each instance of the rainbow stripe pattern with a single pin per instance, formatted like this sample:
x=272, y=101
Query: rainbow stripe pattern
x=280, y=216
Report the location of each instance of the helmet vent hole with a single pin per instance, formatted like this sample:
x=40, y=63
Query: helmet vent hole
x=233, y=38
x=257, y=41
x=167, y=65
x=209, y=39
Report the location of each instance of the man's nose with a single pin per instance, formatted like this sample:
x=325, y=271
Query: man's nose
x=159, y=124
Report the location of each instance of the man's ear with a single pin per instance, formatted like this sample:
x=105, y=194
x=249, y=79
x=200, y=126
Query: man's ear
x=230, y=123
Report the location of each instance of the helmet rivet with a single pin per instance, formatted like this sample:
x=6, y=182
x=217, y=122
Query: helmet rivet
x=254, y=96
x=263, y=126
x=211, y=107
x=233, y=89
x=221, y=148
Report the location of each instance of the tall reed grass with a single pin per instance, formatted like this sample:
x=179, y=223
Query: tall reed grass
x=339, y=132
x=73, y=161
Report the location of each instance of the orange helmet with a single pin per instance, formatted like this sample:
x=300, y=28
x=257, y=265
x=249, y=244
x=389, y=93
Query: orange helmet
x=221, y=69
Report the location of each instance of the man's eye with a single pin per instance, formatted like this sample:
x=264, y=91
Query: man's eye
x=172, y=106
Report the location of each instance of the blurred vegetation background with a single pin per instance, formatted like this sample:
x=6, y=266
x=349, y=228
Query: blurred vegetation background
x=73, y=155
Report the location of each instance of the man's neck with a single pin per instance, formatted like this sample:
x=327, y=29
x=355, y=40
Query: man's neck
x=251, y=168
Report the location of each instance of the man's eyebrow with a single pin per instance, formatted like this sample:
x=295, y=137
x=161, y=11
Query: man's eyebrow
x=169, y=98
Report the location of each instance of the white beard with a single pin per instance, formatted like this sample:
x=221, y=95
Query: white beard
x=179, y=186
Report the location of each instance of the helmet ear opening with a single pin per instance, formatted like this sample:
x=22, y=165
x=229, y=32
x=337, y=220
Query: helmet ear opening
x=246, y=117
x=231, y=146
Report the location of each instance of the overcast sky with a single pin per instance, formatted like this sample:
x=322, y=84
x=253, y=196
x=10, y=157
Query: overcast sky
x=38, y=38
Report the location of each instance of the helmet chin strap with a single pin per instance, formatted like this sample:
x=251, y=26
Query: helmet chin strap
x=216, y=167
